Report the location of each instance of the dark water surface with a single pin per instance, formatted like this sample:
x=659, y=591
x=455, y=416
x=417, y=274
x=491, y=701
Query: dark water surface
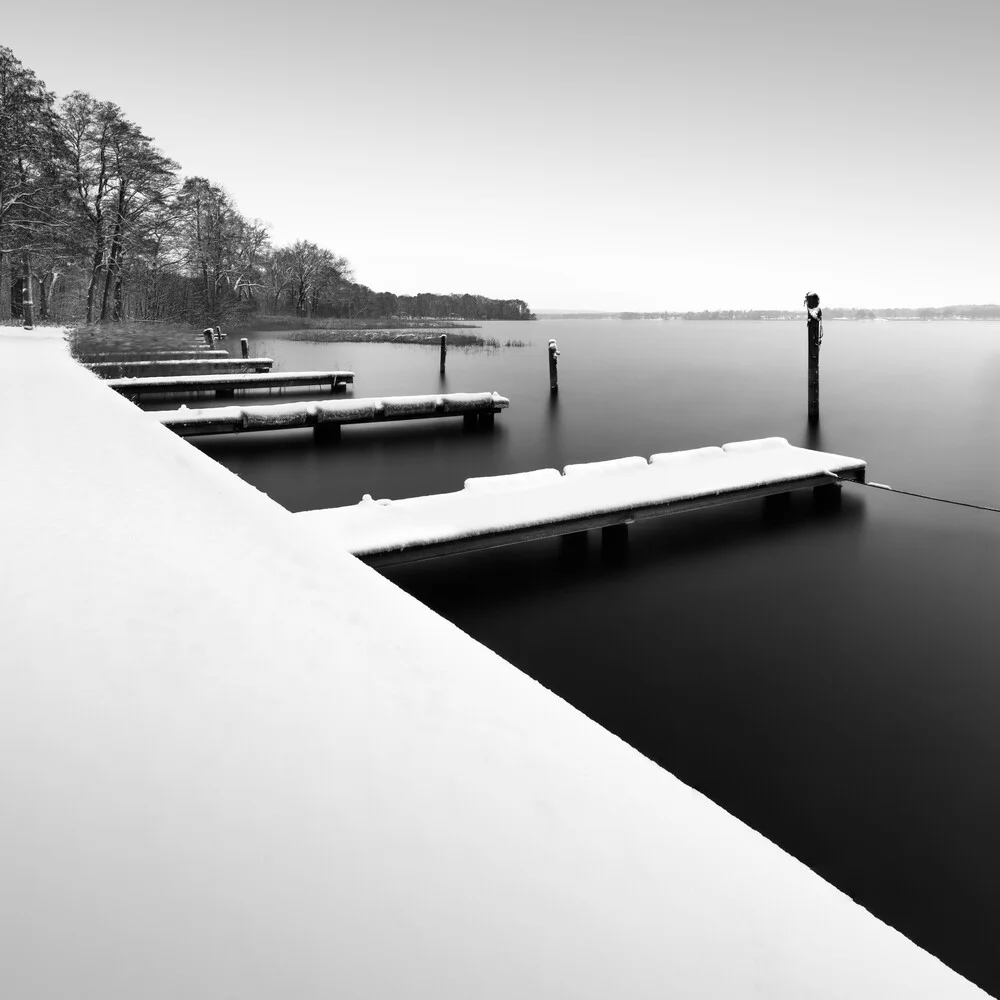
x=831, y=677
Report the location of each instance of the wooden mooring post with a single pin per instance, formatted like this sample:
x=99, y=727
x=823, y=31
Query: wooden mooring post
x=814, y=328
x=444, y=350
x=553, y=367
x=209, y=334
x=245, y=347
x=219, y=335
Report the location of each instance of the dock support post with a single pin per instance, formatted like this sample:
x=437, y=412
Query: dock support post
x=245, y=347
x=209, y=336
x=828, y=496
x=339, y=385
x=814, y=329
x=614, y=540
x=553, y=367
x=326, y=433
x=219, y=335
x=469, y=421
x=573, y=546
x=444, y=350
x=487, y=419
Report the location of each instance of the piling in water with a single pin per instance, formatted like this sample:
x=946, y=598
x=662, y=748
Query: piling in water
x=444, y=350
x=553, y=367
x=245, y=347
x=209, y=336
x=814, y=330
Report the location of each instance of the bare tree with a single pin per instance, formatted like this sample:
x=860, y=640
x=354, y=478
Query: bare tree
x=30, y=182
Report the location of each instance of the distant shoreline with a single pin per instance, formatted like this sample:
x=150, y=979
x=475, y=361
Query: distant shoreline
x=970, y=313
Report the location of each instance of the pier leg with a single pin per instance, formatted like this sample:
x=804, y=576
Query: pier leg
x=469, y=421
x=828, y=496
x=209, y=335
x=339, y=385
x=614, y=542
x=444, y=350
x=553, y=367
x=219, y=335
x=486, y=420
x=225, y=393
x=573, y=547
x=245, y=347
x=326, y=433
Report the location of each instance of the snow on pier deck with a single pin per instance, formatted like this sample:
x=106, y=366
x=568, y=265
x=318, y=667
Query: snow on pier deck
x=330, y=416
x=135, y=387
x=179, y=355
x=501, y=510
x=206, y=366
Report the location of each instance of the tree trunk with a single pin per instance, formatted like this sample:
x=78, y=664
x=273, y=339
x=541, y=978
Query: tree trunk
x=118, y=310
x=95, y=277
x=27, y=304
x=5, y=279
x=45, y=286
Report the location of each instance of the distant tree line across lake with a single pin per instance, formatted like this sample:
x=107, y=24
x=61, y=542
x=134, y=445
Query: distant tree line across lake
x=829, y=312
x=97, y=223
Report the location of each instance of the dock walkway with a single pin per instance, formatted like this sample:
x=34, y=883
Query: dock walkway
x=228, y=384
x=502, y=510
x=206, y=366
x=140, y=355
x=326, y=418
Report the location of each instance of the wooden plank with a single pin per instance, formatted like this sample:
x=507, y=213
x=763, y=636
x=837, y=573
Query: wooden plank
x=204, y=383
x=208, y=366
x=624, y=516
x=139, y=355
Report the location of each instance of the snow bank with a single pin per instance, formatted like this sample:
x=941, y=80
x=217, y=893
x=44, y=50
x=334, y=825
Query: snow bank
x=236, y=762
x=590, y=470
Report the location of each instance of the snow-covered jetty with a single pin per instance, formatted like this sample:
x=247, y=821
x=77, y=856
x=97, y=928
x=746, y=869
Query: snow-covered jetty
x=140, y=355
x=501, y=510
x=229, y=384
x=327, y=418
x=199, y=366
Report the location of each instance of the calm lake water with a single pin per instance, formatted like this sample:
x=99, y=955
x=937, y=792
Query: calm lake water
x=830, y=677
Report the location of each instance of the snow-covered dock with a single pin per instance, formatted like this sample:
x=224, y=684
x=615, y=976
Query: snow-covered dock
x=192, y=366
x=179, y=355
x=501, y=510
x=229, y=384
x=326, y=418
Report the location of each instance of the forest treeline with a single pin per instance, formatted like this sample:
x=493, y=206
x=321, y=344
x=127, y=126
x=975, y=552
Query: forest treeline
x=98, y=225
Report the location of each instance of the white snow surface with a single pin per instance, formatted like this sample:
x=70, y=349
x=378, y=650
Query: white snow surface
x=340, y=411
x=530, y=499
x=236, y=762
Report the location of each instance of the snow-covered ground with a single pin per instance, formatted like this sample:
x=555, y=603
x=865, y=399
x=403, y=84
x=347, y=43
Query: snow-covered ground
x=236, y=762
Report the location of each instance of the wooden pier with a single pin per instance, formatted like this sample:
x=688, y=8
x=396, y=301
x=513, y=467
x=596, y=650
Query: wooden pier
x=206, y=366
x=503, y=510
x=139, y=355
x=326, y=418
x=227, y=385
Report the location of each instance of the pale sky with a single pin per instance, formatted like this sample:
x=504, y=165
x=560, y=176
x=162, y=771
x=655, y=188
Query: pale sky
x=646, y=156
